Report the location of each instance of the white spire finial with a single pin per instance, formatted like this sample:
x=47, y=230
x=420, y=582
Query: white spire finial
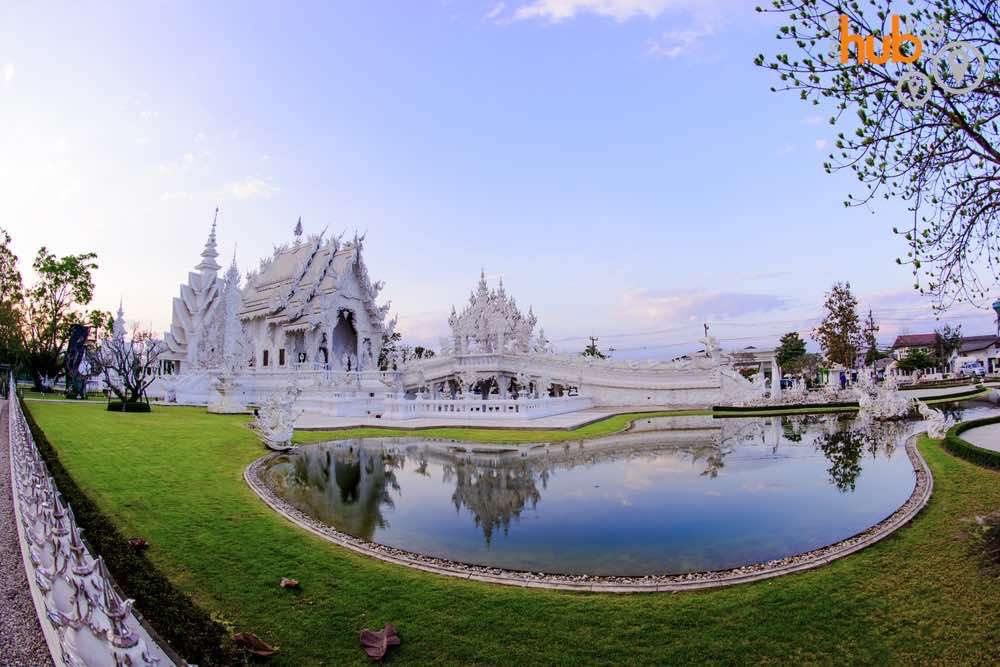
x=298, y=231
x=210, y=252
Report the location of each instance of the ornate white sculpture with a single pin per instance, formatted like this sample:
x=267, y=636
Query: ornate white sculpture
x=275, y=420
x=880, y=401
x=492, y=322
x=935, y=420
x=190, y=341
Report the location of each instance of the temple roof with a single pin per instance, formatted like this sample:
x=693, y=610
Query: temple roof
x=297, y=276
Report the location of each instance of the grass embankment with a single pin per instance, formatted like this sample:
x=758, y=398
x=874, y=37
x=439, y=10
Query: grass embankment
x=606, y=426
x=174, y=476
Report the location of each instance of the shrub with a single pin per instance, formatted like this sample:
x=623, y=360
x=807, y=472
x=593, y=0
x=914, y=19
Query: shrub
x=966, y=450
x=131, y=406
x=187, y=627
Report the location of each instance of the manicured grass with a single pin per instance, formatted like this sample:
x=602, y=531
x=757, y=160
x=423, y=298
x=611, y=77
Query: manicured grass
x=607, y=426
x=175, y=477
x=30, y=395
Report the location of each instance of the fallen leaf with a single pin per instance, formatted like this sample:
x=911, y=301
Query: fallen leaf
x=253, y=644
x=138, y=543
x=289, y=583
x=377, y=642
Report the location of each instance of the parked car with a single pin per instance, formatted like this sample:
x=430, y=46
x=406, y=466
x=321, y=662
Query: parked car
x=973, y=368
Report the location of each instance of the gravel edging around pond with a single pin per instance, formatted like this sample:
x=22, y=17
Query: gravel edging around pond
x=609, y=584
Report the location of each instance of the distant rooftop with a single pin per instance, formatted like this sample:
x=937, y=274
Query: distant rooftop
x=915, y=340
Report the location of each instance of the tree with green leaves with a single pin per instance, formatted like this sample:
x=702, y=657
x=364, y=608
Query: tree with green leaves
x=389, y=350
x=791, y=351
x=839, y=331
x=11, y=306
x=592, y=350
x=51, y=306
x=869, y=340
x=949, y=340
x=941, y=156
x=916, y=359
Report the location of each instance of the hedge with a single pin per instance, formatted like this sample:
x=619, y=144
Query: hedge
x=966, y=450
x=750, y=409
x=952, y=397
x=131, y=406
x=173, y=614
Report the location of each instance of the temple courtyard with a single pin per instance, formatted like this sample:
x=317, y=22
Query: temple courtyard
x=175, y=477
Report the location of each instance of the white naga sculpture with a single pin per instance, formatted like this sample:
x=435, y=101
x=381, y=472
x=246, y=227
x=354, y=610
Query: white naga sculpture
x=935, y=420
x=275, y=420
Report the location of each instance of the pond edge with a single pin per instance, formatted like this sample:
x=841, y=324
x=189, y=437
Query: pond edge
x=808, y=560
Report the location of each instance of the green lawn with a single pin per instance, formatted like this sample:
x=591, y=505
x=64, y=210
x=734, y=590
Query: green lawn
x=174, y=476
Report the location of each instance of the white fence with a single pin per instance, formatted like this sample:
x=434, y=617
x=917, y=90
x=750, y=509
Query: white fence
x=84, y=620
x=521, y=408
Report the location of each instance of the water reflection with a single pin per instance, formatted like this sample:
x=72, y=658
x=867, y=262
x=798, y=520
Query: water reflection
x=670, y=495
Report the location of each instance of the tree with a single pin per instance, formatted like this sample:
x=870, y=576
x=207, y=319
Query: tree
x=51, y=307
x=941, y=157
x=421, y=352
x=790, y=352
x=916, y=359
x=388, y=354
x=839, y=332
x=592, y=350
x=869, y=340
x=127, y=364
x=11, y=297
x=949, y=339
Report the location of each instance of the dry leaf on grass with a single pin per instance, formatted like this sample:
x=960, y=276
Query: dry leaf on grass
x=253, y=644
x=138, y=543
x=377, y=642
x=289, y=583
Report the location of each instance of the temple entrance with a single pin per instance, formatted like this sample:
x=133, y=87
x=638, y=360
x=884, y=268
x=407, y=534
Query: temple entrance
x=344, y=341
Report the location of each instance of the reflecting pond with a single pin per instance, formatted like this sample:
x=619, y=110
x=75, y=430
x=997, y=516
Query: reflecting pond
x=671, y=495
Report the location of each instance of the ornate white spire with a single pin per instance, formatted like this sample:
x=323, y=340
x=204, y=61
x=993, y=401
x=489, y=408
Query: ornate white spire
x=118, y=330
x=210, y=252
x=298, y=231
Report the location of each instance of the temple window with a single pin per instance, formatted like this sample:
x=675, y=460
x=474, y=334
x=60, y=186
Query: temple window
x=266, y=361
x=281, y=357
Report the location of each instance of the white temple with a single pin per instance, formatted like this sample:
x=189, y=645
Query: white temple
x=308, y=319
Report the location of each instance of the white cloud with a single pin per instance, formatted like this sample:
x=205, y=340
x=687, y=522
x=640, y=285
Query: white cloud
x=200, y=137
x=620, y=10
x=8, y=74
x=675, y=43
x=657, y=305
x=253, y=188
x=72, y=190
x=812, y=120
x=820, y=144
x=149, y=115
x=495, y=11
x=175, y=196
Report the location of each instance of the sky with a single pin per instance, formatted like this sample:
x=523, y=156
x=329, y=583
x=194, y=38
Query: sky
x=620, y=164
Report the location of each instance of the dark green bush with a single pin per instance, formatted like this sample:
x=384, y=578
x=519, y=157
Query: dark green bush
x=187, y=627
x=750, y=409
x=137, y=406
x=966, y=450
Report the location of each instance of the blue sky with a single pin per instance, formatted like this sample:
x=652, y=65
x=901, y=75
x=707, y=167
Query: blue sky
x=620, y=163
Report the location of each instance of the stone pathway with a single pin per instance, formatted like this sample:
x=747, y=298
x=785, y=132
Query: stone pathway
x=987, y=437
x=21, y=640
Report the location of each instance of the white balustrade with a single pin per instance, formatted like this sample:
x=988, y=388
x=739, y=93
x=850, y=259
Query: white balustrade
x=84, y=620
x=499, y=408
